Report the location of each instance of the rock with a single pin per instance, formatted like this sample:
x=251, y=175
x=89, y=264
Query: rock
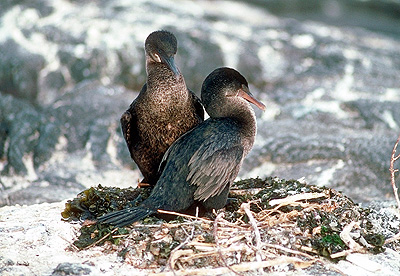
x=331, y=91
x=51, y=188
x=19, y=70
x=70, y=269
x=324, y=155
x=339, y=13
x=38, y=143
x=51, y=84
x=36, y=242
x=86, y=113
x=82, y=119
x=19, y=121
x=197, y=57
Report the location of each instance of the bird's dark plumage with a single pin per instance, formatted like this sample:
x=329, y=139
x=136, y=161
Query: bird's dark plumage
x=164, y=109
x=202, y=164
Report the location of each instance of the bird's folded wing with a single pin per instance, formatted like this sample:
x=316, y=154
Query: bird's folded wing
x=129, y=127
x=214, y=165
x=197, y=105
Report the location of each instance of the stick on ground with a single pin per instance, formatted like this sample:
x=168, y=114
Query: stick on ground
x=393, y=171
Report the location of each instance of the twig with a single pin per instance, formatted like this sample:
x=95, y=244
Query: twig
x=217, y=243
x=340, y=254
x=100, y=240
x=253, y=222
x=242, y=267
x=308, y=249
x=393, y=158
x=183, y=215
x=394, y=238
x=282, y=248
x=348, y=240
x=175, y=254
x=213, y=252
x=252, y=191
x=290, y=199
x=120, y=236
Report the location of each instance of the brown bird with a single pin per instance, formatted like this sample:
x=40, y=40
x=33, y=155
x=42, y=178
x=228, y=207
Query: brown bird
x=164, y=109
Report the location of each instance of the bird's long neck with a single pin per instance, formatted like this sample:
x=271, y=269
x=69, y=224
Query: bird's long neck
x=243, y=114
x=247, y=120
x=165, y=86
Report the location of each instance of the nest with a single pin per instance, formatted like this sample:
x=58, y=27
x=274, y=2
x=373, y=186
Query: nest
x=270, y=224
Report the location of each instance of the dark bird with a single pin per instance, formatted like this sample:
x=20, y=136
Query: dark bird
x=164, y=109
x=202, y=164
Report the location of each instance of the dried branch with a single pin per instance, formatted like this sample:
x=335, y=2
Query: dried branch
x=253, y=222
x=183, y=215
x=217, y=244
x=252, y=191
x=242, y=267
x=176, y=252
x=345, y=235
x=340, y=254
x=291, y=199
x=393, y=171
x=393, y=239
x=291, y=251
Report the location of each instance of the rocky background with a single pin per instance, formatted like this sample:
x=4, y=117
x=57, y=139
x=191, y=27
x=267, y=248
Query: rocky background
x=328, y=71
x=69, y=69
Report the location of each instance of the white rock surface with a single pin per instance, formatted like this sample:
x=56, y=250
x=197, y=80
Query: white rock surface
x=34, y=241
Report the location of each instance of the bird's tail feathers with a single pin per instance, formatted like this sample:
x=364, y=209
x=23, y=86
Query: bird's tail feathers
x=126, y=216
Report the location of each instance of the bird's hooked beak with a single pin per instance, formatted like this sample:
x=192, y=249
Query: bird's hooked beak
x=244, y=92
x=170, y=62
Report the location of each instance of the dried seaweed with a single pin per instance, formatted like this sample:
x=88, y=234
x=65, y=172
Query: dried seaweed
x=96, y=201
